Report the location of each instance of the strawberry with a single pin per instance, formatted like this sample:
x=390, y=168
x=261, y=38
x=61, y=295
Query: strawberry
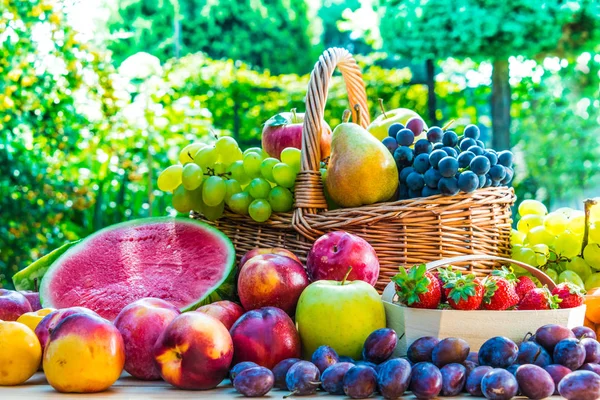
x=464, y=292
x=524, y=285
x=570, y=294
x=443, y=275
x=418, y=288
x=500, y=293
x=539, y=299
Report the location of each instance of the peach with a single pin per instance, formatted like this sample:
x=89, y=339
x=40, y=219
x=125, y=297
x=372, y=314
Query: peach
x=272, y=250
x=140, y=324
x=271, y=280
x=12, y=305
x=225, y=311
x=49, y=322
x=33, y=298
x=33, y=319
x=20, y=353
x=194, y=352
x=265, y=336
x=85, y=354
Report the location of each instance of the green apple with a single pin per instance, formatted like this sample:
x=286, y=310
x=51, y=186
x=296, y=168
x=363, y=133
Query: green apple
x=338, y=314
x=379, y=126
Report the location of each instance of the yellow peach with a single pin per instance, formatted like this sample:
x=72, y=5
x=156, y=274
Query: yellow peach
x=32, y=319
x=20, y=353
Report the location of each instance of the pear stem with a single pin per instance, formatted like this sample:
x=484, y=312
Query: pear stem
x=382, y=108
x=294, y=118
x=346, y=276
x=448, y=125
x=357, y=109
x=588, y=204
x=346, y=116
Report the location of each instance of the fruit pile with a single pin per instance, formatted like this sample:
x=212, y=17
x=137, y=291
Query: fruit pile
x=502, y=290
x=559, y=243
x=443, y=162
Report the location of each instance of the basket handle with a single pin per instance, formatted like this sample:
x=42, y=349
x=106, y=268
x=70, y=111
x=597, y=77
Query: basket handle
x=389, y=292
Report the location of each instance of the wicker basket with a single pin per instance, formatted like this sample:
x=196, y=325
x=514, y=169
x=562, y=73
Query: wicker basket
x=402, y=232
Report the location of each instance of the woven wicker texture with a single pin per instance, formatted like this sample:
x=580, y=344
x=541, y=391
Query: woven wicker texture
x=404, y=232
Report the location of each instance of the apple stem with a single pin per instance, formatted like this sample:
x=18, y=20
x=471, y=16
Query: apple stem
x=382, y=108
x=357, y=109
x=294, y=118
x=346, y=276
x=448, y=125
x=346, y=116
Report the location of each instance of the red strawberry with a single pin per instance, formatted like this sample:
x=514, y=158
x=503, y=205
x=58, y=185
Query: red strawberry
x=418, y=288
x=500, y=294
x=464, y=292
x=539, y=299
x=570, y=294
x=524, y=285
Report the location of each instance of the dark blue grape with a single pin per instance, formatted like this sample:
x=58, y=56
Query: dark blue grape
x=416, y=125
x=360, y=382
x=478, y=151
x=239, y=367
x=420, y=350
x=347, y=359
x=480, y=165
x=280, y=371
x=404, y=157
x=421, y=163
x=393, y=378
x=450, y=151
x=531, y=352
x=480, y=144
x=450, y=139
x=498, y=352
x=468, y=182
x=394, y=129
x=482, y=180
x=432, y=177
x=380, y=345
x=466, y=143
x=448, y=166
x=390, y=143
x=427, y=192
x=492, y=157
x=332, y=379
x=435, y=134
x=254, y=382
x=448, y=186
x=323, y=357
x=473, y=383
x=436, y=156
x=402, y=192
x=471, y=131
x=303, y=378
x=505, y=158
x=453, y=379
x=422, y=146
x=580, y=385
x=488, y=181
x=499, y=384
x=414, y=194
x=405, y=137
x=438, y=146
x=510, y=173
x=570, y=353
x=405, y=173
x=495, y=183
x=465, y=158
x=426, y=381
x=497, y=173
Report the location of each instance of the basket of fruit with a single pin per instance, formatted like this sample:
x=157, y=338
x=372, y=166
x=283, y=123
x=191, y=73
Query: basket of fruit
x=428, y=300
x=416, y=194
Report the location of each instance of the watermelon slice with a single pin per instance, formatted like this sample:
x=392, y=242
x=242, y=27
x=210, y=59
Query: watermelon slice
x=182, y=261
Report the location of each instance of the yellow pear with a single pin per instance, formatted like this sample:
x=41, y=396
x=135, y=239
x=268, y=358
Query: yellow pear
x=361, y=169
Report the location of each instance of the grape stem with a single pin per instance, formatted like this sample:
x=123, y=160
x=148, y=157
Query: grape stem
x=448, y=125
x=382, y=108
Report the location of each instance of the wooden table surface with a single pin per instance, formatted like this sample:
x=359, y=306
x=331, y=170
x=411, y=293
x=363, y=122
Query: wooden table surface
x=129, y=388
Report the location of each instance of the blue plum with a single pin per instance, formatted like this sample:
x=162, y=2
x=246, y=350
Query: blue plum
x=323, y=357
x=498, y=352
x=499, y=384
x=360, y=382
x=254, y=382
x=393, y=378
x=332, y=379
x=380, y=345
x=426, y=381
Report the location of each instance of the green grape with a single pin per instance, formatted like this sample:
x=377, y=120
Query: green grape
x=570, y=276
x=239, y=203
x=517, y=237
x=595, y=212
x=259, y=188
x=566, y=211
x=213, y=191
x=594, y=233
x=281, y=199
x=266, y=168
x=568, y=244
x=219, y=168
x=528, y=207
x=238, y=173
x=260, y=210
x=206, y=157
x=214, y=213
x=593, y=281
x=192, y=176
x=256, y=150
x=556, y=223
x=292, y=157
x=525, y=255
x=591, y=254
x=186, y=155
x=284, y=175
x=539, y=235
x=225, y=144
x=252, y=163
x=577, y=223
x=182, y=201
x=232, y=187
x=542, y=252
x=552, y=274
x=170, y=178
x=231, y=157
x=196, y=199
x=529, y=221
x=580, y=267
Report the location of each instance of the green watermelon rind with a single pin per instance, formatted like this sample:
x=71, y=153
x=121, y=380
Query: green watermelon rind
x=213, y=294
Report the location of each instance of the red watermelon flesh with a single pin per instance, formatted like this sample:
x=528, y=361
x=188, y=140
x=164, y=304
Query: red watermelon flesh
x=178, y=260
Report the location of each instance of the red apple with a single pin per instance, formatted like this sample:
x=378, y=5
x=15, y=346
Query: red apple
x=194, y=352
x=265, y=336
x=225, y=311
x=333, y=253
x=140, y=324
x=33, y=298
x=47, y=325
x=285, y=130
x=268, y=250
x=12, y=305
x=271, y=280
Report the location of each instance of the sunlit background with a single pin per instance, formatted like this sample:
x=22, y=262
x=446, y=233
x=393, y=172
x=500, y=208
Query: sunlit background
x=96, y=96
